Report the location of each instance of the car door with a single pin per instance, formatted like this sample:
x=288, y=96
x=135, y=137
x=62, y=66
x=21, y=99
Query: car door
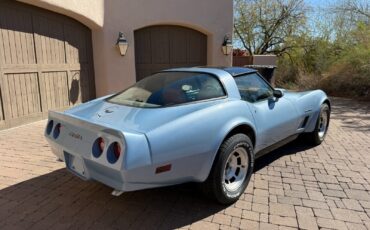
x=275, y=118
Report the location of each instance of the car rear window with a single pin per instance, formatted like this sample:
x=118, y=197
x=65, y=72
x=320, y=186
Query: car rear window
x=170, y=88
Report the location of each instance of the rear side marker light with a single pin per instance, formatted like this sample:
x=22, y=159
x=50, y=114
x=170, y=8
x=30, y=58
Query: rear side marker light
x=163, y=168
x=57, y=129
x=98, y=147
x=114, y=152
x=49, y=127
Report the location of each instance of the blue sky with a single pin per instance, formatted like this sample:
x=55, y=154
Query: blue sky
x=321, y=3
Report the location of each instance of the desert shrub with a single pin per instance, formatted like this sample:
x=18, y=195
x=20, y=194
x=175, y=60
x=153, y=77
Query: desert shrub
x=286, y=74
x=349, y=76
x=339, y=68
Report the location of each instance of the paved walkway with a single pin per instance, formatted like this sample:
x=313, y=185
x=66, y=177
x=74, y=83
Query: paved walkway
x=295, y=186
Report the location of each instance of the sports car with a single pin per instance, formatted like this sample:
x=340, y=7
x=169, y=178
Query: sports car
x=200, y=124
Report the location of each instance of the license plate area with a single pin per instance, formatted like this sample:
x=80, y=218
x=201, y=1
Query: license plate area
x=75, y=164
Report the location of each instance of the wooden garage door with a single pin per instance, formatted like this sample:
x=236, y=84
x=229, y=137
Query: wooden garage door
x=45, y=63
x=163, y=47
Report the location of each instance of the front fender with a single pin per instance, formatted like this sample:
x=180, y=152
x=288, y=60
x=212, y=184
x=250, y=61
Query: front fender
x=310, y=103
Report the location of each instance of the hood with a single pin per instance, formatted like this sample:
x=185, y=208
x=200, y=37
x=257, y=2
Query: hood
x=137, y=119
x=294, y=95
x=306, y=101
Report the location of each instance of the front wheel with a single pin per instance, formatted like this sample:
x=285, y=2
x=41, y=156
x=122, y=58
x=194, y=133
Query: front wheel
x=231, y=170
x=322, y=124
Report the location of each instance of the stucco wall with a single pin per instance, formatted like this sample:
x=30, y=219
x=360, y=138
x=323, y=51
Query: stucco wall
x=106, y=18
x=88, y=12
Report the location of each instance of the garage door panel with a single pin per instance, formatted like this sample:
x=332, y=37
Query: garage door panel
x=159, y=46
x=77, y=82
x=197, y=48
x=76, y=38
x=143, y=53
x=54, y=90
x=31, y=85
x=50, y=40
x=1, y=106
x=5, y=97
x=20, y=92
x=16, y=35
x=87, y=85
x=178, y=53
x=81, y=88
x=1, y=110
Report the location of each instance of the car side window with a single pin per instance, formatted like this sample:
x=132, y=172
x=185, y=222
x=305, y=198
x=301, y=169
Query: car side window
x=253, y=88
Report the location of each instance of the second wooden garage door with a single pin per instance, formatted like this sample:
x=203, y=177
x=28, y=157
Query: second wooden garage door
x=45, y=63
x=163, y=47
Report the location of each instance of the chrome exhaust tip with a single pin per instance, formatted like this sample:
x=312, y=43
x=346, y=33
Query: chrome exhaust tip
x=117, y=192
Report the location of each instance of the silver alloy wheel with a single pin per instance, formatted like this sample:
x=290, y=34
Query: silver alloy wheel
x=323, y=123
x=236, y=169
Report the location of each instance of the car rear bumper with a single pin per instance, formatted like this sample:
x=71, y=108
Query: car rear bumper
x=114, y=178
x=74, y=145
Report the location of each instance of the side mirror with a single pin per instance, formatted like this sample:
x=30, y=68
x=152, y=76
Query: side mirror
x=278, y=93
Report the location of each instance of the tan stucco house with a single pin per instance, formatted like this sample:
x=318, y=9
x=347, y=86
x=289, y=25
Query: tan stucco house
x=56, y=53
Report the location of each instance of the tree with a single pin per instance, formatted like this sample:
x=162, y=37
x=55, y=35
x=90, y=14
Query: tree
x=356, y=8
x=346, y=15
x=266, y=26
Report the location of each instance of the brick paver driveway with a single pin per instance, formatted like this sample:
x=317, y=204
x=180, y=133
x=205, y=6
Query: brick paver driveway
x=295, y=186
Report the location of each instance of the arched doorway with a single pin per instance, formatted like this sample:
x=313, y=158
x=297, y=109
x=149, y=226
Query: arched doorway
x=45, y=63
x=168, y=46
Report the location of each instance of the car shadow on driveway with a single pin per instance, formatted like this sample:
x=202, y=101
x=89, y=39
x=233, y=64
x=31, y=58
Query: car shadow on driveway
x=293, y=147
x=60, y=200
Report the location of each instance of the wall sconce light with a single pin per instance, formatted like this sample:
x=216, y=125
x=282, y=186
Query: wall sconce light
x=122, y=44
x=227, y=46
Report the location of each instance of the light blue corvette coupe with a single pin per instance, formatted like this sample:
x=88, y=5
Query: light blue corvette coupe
x=185, y=125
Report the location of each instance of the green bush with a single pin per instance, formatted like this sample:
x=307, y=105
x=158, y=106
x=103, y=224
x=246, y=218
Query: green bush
x=339, y=68
x=349, y=76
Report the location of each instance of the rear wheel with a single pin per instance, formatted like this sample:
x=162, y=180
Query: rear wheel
x=322, y=124
x=231, y=170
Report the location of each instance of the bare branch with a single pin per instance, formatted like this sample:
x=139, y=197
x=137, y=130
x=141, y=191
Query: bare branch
x=263, y=26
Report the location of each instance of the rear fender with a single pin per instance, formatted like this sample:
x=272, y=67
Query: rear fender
x=226, y=129
x=196, y=138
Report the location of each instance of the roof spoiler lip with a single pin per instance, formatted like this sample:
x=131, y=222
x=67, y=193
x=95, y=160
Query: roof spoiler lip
x=79, y=121
x=240, y=70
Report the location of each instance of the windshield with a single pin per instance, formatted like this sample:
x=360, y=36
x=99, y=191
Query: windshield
x=170, y=88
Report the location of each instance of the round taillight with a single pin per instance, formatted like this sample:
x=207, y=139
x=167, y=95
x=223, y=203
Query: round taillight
x=57, y=129
x=98, y=147
x=101, y=144
x=114, y=152
x=49, y=127
x=116, y=149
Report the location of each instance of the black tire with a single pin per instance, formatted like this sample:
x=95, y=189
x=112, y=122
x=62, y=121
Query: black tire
x=214, y=186
x=317, y=136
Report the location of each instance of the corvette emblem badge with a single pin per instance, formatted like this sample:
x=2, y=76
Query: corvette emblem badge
x=75, y=135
